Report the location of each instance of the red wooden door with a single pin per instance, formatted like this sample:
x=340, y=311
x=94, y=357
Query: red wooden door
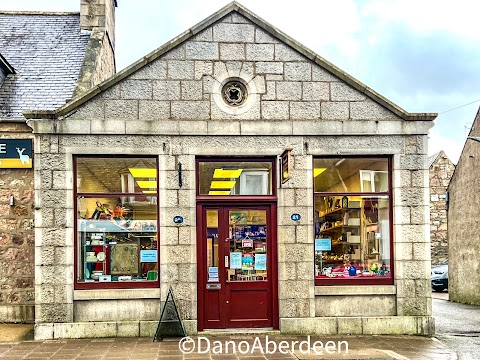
x=236, y=271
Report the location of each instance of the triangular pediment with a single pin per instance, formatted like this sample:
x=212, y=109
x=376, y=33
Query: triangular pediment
x=184, y=80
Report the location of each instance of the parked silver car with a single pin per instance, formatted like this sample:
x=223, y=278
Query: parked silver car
x=440, y=276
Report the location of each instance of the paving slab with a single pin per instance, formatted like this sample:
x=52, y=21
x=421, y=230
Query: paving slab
x=226, y=347
x=16, y=332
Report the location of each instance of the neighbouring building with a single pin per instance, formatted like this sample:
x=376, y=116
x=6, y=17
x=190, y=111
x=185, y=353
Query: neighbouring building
x=441, y=170
x=268, y=188
x=45, y=60
x=463, y=224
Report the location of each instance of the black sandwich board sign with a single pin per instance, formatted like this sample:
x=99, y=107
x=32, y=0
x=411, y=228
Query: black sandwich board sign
x=170, y=324
x=16, y=153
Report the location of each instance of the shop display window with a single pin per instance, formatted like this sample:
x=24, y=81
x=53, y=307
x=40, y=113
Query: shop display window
x=235, y=178
x=117, y=222
x=353, y=230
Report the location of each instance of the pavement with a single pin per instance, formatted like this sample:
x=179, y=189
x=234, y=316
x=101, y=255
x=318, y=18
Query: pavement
x=16, y=332
x=16, y=343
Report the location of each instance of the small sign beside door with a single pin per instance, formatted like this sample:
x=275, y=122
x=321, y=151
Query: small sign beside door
x=285, y=165
x=295, y=217
x=178, y=219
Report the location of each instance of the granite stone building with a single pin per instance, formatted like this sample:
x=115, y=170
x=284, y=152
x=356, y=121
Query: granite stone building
x=268, y=188
x=463, y=225
x=45, y=60
x=441, y=171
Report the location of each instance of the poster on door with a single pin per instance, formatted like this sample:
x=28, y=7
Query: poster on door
x=260, y=261
x=235, y=260
x=212, y=274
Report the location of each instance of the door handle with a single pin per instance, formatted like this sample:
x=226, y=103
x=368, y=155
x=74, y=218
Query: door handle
x=226, y=261
x=228, y=302
x=227, y=239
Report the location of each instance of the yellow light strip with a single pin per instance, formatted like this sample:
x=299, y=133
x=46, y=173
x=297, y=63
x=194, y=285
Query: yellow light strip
x=149, y=191
x=147, y=184
x=143, y=173
x=227, y=174
x=222, y=184
x=318, y=171
x=217, y=192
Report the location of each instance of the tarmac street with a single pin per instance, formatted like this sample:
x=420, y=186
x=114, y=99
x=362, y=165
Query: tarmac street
x=457, y=326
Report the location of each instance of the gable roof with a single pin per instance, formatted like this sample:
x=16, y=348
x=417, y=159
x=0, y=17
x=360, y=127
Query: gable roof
x=46, y=50
x=433, y=158
x=5, y=66
x=474, y=130
x=234, y=6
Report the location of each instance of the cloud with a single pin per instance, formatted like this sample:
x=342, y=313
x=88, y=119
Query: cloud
x=459, y=18
x=434, y=63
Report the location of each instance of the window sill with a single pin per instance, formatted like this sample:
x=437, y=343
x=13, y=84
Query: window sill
x=365, y=280
x=339, y=290
x=116, y=294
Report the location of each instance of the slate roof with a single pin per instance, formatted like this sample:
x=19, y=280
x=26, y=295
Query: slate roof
x=46, y=50
x=432, y=159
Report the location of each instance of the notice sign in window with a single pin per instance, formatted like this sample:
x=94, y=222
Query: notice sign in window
x=148, y=256
x=16, y=154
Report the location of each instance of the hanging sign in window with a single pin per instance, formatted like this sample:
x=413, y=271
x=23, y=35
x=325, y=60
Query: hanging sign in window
x=247, y=243
x=16, y=154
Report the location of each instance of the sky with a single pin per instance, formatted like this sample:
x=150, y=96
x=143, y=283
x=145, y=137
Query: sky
x=420, y=54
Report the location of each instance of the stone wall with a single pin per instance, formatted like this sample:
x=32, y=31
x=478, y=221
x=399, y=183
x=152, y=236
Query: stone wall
x=441, y=171
x=463, y=224
x=173, y=107
x=98, y=63
x=97, y=16
x=17, y=296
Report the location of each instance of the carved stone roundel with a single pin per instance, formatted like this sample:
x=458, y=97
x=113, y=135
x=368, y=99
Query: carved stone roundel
x=234, y=93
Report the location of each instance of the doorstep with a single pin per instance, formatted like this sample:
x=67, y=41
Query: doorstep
x=241, y=331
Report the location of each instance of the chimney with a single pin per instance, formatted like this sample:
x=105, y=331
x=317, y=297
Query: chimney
x=99, y=15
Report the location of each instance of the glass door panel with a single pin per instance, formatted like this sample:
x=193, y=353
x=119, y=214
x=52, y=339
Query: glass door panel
x=247, y=246
x=212, y=246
